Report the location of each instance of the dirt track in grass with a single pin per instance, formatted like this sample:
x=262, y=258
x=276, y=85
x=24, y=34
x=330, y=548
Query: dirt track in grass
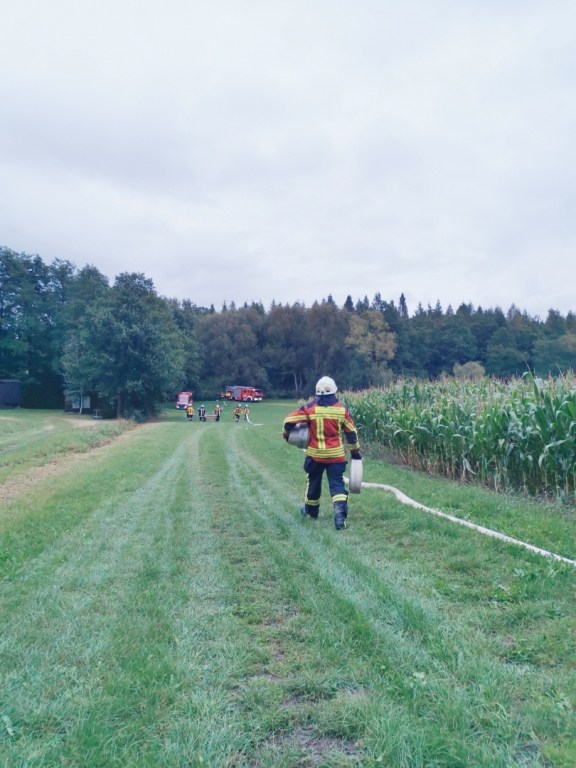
x=33, y=467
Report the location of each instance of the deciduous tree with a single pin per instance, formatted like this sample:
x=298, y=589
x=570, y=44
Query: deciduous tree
x=136, y=349
x=371, y=340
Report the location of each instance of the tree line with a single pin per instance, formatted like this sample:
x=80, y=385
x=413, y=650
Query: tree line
x=68, y=331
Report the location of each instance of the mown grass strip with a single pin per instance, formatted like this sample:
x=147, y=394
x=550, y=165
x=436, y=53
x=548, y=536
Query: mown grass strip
x=131, y=656
x=31, y=522
x=30, y=439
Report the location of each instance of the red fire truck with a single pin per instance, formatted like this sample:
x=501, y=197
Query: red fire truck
x=243, y=394
x=183, y=400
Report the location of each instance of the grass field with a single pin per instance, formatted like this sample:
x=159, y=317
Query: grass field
x=31, y=439
x=163, y=603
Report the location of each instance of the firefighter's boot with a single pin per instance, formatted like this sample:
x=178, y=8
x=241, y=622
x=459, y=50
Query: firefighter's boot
x=340, y=514
x=309, y=511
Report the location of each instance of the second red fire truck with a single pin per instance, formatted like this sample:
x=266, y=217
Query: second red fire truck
x=243, y=394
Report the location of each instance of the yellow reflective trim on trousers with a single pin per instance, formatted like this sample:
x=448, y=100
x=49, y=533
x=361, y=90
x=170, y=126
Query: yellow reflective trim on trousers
x=340, y=497
x=310, y=502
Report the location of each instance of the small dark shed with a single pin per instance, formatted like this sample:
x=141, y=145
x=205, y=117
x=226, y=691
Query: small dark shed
x=10, y=393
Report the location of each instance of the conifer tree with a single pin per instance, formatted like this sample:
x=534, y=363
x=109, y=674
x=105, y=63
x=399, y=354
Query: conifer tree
x=403, y=307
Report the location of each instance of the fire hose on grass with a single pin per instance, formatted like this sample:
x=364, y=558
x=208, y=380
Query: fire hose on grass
x=300, y=438
x=480, y=528
x=247, y=418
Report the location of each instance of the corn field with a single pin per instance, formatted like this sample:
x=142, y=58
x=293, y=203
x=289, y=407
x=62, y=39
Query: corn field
x=520, y=434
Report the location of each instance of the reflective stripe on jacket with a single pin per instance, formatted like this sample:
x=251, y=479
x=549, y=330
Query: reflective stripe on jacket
x=326, y=424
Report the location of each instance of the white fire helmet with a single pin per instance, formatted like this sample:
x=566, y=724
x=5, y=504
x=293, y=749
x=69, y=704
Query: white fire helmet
x=326, y=386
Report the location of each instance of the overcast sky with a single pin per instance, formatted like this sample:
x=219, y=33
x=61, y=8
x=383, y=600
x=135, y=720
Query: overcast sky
x=258, y=150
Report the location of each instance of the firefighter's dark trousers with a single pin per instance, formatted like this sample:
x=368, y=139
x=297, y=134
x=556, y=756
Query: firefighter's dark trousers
x=334, y=472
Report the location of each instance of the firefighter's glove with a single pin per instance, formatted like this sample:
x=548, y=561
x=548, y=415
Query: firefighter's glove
x=356, y=456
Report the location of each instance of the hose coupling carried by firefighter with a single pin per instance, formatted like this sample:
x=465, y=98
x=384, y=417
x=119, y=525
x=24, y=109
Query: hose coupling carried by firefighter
x=299, y=437
x=355, y=480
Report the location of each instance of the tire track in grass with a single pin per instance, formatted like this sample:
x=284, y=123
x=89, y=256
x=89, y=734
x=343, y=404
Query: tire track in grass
x=452, y=681
x=40, y=517
x=65, y=624
x=93, y=537
x=182, y=640
x=363, y=618
x=282, y=634
x=127, y=653
x=335, y=633
x=345, y=580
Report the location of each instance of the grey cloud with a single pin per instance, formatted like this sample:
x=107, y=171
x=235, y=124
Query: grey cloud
x=259, y=151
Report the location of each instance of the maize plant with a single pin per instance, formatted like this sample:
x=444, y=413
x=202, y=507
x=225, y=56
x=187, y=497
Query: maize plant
x=519, y=434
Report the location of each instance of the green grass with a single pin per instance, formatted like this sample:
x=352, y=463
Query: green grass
x=31, y=438
x=165, y=604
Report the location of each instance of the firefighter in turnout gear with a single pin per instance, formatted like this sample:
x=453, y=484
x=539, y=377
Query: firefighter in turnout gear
x=326, y=419
x=246, y=413
x=202, y=413
x=190, y=412
x=237, y=413
x=217, y=412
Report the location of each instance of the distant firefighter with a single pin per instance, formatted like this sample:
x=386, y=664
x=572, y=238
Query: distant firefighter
x=202, y=413
x=237, y=413
x=246, y=413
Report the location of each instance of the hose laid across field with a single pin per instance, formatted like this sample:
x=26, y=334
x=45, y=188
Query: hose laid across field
x=486, y=531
